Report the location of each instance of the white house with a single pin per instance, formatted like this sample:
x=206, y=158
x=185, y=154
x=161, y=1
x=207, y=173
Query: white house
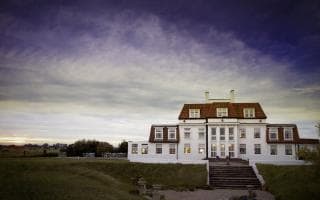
x=216, y=129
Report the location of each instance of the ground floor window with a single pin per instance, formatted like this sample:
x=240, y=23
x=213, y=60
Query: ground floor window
x=172, y=149
x=213, y=150
x=144, y=149
x=231, y=150
x=134, y=148
x=288, y=149
x=257, y=149
x=273, y=149
x=243, y=149
x=202, y=148
x=222, y=150
x=158, y=148
x=187, y=148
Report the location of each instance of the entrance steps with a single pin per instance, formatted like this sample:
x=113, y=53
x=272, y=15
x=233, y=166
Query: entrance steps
x=233, y=177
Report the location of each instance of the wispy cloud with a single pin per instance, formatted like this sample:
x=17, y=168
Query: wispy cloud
x=109, y=76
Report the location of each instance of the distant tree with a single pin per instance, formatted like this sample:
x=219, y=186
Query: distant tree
x=103, y=147
x=88, y=146
x=123, y=147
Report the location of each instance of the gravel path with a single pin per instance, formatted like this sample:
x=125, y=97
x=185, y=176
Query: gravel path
x=218, y=194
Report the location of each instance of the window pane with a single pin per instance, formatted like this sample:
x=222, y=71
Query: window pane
x=213, y=133
x=134, y=148
x=158, y=148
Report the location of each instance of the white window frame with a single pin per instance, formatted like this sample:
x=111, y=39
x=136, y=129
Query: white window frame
x=144, y=148
x=214, y=133
x=222, y=150
x=243, y=147
x=201, y=131
x=134, y=148
x=188, y=131
x=273, y=131
x=291, y=133
x=158, y=146
x=231, y=150
x=202, y=148
x=256, y=130
x=187, y=148
x=243, y=133
x=194, y=113
x=249, y=113
x=172, y=130
x=172, y=148
x=158, y=130
x=231, y=133
x=213, y=150
x=256, y=148
x=222, y=112
x=286, y=149
x=222, y=136
x=273, y=147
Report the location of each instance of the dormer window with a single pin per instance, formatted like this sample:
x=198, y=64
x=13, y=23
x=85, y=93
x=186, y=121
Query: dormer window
x=222, y=112
x=248, y=113
x=194, y=113
x=172, y=133
x=158, y=133
x=288, y=135
x=273, y=134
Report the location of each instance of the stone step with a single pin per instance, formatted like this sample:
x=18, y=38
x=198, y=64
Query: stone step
x=233, y=177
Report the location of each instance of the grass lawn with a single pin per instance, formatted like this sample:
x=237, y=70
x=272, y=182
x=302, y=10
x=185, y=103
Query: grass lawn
x=57, y=178
x=292, y=182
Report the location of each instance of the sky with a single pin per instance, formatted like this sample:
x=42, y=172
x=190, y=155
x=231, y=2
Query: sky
x=107, y=70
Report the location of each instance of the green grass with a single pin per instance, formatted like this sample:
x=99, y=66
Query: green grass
x=292, y=182
x=21, y=151
x=57, y=178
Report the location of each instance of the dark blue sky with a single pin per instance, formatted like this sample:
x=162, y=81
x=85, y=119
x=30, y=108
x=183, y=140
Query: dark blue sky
x=80, y=69
x=286, y=30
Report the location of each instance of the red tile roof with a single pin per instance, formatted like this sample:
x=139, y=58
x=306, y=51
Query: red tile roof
x=235, y=110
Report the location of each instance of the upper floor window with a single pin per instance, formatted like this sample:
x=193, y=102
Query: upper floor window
x=222, y=112
x=172, y=133
x=222, y=133
x=159, y=133
x=134, y=148
x=194, y=113
x=187, y=133
x=257, y=133
x=248, y=113
x=242, y=132
x=288, y=135
x=214, y=133
x=231, y=133
x=201, y=133
x=273, y=133
x=144, y=149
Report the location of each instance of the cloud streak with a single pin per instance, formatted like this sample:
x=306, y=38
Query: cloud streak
x=110, y=75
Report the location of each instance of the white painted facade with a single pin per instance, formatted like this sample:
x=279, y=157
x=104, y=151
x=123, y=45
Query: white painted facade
x=226, y=137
